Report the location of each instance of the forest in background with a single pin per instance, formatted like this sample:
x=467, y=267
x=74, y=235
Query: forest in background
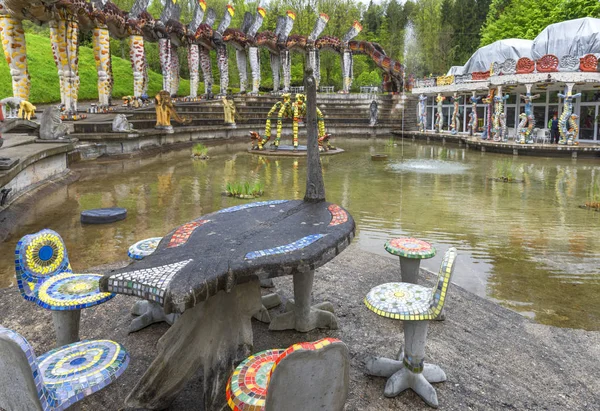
x=427, y=36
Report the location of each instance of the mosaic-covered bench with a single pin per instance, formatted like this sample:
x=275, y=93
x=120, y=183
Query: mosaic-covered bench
x=59, y=378
x=45, y=277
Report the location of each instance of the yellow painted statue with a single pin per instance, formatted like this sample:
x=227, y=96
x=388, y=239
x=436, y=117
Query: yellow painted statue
x=229, y=109
x=165, y=110
x=26, y=110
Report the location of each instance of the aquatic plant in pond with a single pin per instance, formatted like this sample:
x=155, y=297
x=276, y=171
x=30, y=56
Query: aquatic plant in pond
x=245, y=189
x=506, y=171
x=593, y=194
x=200, y=151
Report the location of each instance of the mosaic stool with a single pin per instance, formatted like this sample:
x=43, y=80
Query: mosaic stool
x=305, y=377
x=143, y=248
x=58, y=379
x=416, y=306
x=411, y=251
x=44, y=276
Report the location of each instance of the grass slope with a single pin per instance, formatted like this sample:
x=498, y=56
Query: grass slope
x=44, y=77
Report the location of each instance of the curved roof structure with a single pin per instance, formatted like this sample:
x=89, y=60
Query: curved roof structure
x=573, y=37
x=455, y=70
x=499, y=51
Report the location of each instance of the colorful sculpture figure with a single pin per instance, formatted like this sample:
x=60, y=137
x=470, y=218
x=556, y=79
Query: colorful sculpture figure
x=499, y=129
x=488, y=101
x=165, y=110
x=472, y=126
x=574, y=128
x=567, y=136
x=26, y=110
x=229, y=109
x=422, y=113
x=455, y=124
x=439, y=116
x=281, y=108
x=525, y=132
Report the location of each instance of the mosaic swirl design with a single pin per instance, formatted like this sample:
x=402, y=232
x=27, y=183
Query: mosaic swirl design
x=183, y=233
x=410, y=248
x=251, y=205
x=288, y=248
x=45, y=254
x=70, y=291
x=400, y=301
x=247, y=387
x=303, y=346
x=143, y=248
x=74, y=371
x=338, y=215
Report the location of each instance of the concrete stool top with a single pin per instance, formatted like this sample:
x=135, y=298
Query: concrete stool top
x=143, y=248
x=409, y=247
x=401, y=301
x=247, y=386
x=69, y=291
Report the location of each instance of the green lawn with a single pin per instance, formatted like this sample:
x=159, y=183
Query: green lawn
x=44, y=77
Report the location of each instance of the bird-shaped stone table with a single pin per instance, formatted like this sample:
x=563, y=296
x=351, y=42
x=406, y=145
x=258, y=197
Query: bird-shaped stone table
x=209, y=270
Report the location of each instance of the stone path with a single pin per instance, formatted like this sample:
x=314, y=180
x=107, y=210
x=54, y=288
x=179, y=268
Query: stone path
x=494, y=358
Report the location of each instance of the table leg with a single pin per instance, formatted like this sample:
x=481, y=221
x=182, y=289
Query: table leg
x=409, y=270
x=214, y=335
x=149, y=312
x=302, y=317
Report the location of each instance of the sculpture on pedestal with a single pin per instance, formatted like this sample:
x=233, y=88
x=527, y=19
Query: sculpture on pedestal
x=499, y=129
x=422, y=113
x=26, y=110
x=373, y=112
x=165, y=111
x=51, y=126
x=455, y=124
x=568, y=135
x=473, y=120
x=439, y=116
x=525, y=133
x=229, y=110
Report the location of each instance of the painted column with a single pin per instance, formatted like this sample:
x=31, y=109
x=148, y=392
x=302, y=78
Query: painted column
x=58, y=44
x=164, y=55
x=275, y=68
x=101, y=44
x=194, y=63
x=206, y=71
x=286, y=62
x=174, y=77
x=241, y=64
x=255, y=67
x=138, y=64
x=347, y=70
x=64, y=34
x=15, y=51
x=223, y=64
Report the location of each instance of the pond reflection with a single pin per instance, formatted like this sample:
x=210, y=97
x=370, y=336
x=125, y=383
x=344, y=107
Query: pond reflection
x=527, y=245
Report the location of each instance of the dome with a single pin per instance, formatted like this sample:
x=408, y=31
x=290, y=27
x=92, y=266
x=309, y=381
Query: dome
x=498, y=51
x=455, y=70
x=573, y=37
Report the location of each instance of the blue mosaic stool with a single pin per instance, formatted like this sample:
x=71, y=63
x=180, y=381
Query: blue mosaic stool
x=44, y=276
x=305, y=377
x=416, y=306
x=58, y=379
x=143, y=248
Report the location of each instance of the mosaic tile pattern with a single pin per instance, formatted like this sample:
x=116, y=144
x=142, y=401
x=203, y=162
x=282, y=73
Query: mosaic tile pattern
x=183, y=233
x=410, y=248
x=400, y=301
x=247, y=387
x=44, y=275
x=251, y=205
x=303, y=346
x=68, y=374
x=38, y=257
x=413, y=364
x=70, y=291
x=412, y=302
x=143, y=248
x=148, y=283
x=288, y=248
x=338, y=215
x=74, y=371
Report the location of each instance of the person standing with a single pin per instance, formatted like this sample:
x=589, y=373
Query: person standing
x=554, y=134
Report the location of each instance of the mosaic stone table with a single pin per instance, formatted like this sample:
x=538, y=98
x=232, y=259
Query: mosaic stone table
x=411, y=251
x=209, y=270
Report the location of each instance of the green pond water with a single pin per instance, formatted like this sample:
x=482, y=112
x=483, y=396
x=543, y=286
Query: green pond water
x=526, y=245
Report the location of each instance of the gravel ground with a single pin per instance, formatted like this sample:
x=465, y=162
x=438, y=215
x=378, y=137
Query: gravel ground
x=494, y=358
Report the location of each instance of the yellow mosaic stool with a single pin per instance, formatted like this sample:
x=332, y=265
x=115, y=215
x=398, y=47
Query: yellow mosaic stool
x=305, y=377
x=44, y=276
x=416, y=306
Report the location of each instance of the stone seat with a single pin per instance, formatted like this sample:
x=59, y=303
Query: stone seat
x=305, y=377
x=45, y=277
x=415, y=305
x=410, y=251
x=143, y=248
x=59, y=378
